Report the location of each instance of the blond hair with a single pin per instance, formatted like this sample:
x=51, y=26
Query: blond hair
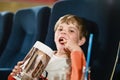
x=75, y=20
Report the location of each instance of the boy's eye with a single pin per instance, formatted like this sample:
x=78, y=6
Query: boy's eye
x=60, y=29
x=71, y=31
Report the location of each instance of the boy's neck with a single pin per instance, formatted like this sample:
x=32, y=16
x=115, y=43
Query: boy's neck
x=61, y=54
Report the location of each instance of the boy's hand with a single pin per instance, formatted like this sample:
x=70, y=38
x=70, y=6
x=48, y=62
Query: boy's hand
x=71, y=46
x=17, y=69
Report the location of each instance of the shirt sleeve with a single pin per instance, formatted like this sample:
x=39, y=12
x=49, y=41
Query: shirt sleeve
x=10, y=77
x=77, y=63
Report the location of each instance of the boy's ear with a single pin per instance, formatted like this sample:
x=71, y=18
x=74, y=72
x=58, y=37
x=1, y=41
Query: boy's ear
x=82, y=41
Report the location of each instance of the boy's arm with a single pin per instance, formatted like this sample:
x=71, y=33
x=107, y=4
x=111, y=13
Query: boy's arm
x=77, y=63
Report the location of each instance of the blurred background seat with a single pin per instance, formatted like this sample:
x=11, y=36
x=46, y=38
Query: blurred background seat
x=6, y=21
x=114, y=36
x=98, y=22
x=29, y=25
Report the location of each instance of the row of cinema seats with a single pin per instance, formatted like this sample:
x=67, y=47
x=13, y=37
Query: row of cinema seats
x=37, y=23
x=28, y=26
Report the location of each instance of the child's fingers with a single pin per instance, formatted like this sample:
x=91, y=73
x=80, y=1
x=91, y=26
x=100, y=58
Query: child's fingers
x=64, y=41
x=17, y=69
x=67, y=51
x=20, y=63
x=12, y=74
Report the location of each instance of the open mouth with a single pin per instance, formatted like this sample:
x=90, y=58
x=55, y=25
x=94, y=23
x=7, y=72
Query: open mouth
x=62, y=40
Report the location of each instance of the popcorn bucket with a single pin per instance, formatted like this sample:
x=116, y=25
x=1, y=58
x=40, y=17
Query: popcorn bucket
x=35, y=62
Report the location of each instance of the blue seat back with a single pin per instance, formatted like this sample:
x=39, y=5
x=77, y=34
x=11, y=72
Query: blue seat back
x=29, y=25
x=6, y=21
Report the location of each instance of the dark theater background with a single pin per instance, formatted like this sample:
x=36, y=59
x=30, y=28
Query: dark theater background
x=23, y=22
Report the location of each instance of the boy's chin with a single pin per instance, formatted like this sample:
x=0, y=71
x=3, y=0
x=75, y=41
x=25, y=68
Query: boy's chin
x=61, y=47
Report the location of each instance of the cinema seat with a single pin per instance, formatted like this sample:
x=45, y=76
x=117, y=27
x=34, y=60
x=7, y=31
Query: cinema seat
x=6, y=21
x=29, y=25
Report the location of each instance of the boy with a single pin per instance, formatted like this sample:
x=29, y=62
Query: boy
x=68, y=62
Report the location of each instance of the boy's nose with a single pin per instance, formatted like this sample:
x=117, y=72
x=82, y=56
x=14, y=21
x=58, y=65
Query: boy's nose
x=63, y=32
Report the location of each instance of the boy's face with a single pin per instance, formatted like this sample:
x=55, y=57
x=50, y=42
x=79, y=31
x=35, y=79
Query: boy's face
x=64, y=33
